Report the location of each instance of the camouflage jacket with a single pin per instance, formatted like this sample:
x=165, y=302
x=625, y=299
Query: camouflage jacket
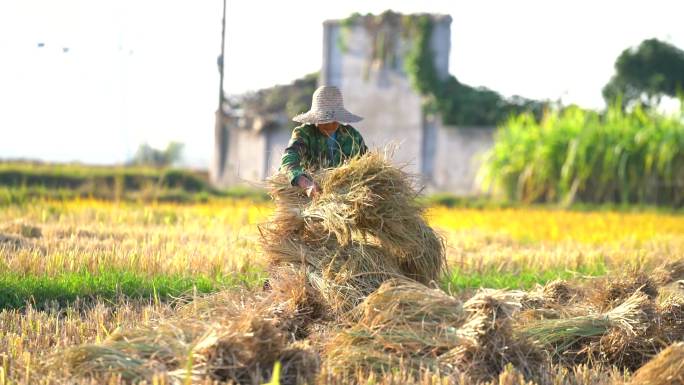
x=308, y=151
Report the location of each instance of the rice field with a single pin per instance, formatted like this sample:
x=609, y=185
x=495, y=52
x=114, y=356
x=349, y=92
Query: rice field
x=78, y=274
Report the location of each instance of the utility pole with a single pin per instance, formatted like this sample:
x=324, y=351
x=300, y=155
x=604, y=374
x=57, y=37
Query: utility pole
x=220, y=132
x=221, y=58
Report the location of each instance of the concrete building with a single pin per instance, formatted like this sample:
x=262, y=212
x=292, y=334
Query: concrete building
x=376, y=87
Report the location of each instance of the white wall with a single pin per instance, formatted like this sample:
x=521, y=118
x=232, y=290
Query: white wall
x=458, y=157
x=448, y=157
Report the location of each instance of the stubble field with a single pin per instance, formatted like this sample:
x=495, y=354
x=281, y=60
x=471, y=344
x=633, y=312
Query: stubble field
x=76, y=273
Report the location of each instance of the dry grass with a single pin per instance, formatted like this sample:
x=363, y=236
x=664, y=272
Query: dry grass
x=667, y=368
x=363, y=229
x=394, y=330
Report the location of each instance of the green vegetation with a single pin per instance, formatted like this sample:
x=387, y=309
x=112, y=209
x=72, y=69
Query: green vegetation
x=22, y=182
x=526, y=279
x=147, y=155
x=76, y=177
x=17, y=290
x=579, y=155
x=457, y=103
x=646, y=73
x=291, y=99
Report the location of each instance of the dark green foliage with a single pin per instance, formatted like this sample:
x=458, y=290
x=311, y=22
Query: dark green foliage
x=25, y=181
x=419, y=63
x=149, y=156
x=291, y=99
x=579, y=155
x=646, y=73
x=56, y=176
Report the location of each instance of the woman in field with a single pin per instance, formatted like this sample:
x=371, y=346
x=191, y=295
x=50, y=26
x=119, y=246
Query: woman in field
x=325, y=139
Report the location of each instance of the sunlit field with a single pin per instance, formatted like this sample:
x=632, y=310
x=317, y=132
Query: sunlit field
x=83, y=246
x=75, y=271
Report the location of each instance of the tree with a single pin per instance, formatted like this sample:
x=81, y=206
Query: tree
x=647, y=73
x=149, y=156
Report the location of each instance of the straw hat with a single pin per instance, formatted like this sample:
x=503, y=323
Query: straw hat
x=326, y=107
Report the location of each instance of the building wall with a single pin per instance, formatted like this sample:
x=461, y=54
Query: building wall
x=457, y=158
x=448, y=158
x=246, y=160
x=383, y=96
x=277, y=143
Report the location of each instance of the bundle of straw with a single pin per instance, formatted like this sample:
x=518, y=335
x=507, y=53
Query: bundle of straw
x=667, y=368
x=353, y=353
x=364, y=228
x=402, y=323
x=668, y=272
x=296, y=304
x=671, y=315
x=235, y=348
x=343, y=276
x=616, y=289
x=406, y=315
x=577, y=339
x=489, y=342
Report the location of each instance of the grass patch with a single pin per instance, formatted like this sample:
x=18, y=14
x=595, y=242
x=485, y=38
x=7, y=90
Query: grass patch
x=16, y=290
x=459, y=280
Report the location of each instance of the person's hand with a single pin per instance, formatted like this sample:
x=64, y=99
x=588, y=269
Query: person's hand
x=311, y=188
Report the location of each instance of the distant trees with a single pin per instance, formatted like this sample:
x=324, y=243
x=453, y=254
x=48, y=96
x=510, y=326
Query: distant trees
x=146, y=155
x=290, y=99
x=646, y=73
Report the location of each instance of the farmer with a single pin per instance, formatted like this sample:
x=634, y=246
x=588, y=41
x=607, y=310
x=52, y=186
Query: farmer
x=325, y=139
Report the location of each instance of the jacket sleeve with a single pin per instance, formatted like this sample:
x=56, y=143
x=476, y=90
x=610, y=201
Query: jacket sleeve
x=358, y=139
x=297, y=149
x=362, y=145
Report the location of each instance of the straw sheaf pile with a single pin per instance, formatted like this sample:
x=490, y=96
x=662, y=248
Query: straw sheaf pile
x=228, y=337
x=353, y=298
x=364, y=228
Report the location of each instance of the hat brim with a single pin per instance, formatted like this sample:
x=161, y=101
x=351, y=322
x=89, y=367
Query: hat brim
x=340, y=115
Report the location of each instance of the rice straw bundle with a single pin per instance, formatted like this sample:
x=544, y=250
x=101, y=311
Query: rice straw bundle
x=495, y=303
x=97, y=362
x=558, y=292
x=359, y=351
x=576, y=339
x=668, y=272
x=343, y=276
x=490, y=343
x=616, y=289
x=369, y=195
x=296, y=304
x=671, y=313
x=402, y=322
x=365, y=200
x=406, y=315
x=241, y=349
x=667, y=368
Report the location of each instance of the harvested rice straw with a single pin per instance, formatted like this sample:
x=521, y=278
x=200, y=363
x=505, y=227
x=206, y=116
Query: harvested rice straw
x=613, y=290
x=668, y=272
x=671, y=313
x=569, y=338
x=98, y=361
x=240, y=348
x=489, y=342
x=406, y=315
x=667, y=368
x=358, y=351
x=343, y=276
x=366, y=200
x=495, y=302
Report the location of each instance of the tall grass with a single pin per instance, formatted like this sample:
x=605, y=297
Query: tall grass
x=581, y=155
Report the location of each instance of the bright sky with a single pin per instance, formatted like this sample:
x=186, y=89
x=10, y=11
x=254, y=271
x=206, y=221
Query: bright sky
x=145, y=70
